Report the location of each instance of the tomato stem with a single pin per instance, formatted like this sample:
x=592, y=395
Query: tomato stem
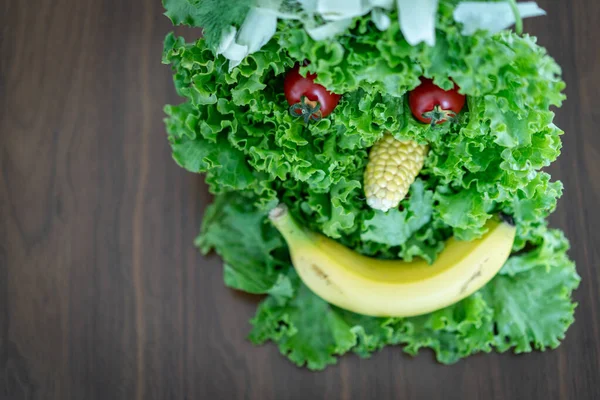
x=438, y=114
x=307, y=109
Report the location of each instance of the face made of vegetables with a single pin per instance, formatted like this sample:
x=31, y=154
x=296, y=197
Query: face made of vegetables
x=393, y=164
x=336, y=154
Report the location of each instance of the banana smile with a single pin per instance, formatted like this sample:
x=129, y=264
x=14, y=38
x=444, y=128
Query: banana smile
x=394, y=288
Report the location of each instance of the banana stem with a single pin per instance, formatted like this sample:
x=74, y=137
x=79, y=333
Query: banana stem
x=287, y=225
x=279, y=212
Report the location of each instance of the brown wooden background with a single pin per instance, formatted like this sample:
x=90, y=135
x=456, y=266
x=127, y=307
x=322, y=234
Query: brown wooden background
x=102, y=294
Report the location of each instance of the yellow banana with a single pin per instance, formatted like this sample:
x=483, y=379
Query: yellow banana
x=393, y=288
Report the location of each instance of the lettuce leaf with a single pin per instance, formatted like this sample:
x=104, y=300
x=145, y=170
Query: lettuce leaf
x=394, y=228
x=531, y=297
x=208, y=14
x=248, y=246
x=306, y=329
x=452, y=333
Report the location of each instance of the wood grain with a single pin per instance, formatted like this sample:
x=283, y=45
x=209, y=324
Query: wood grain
x=102, y=294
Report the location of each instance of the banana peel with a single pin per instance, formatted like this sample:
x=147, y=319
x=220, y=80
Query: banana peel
x=393, y=288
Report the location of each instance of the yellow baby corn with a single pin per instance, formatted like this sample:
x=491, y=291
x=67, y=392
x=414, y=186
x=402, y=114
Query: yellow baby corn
x=393, y=166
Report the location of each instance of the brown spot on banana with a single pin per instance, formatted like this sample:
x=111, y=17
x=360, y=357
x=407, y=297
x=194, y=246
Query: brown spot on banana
x=317, y=270
x=474, y=276
x=322, y=275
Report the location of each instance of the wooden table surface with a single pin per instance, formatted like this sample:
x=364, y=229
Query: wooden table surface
x=102, y=293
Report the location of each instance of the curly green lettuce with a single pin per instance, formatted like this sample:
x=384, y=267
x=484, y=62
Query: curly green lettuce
x=234, y=126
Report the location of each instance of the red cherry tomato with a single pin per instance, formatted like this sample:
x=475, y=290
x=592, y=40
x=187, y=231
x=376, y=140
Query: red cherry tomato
x=307, y=98
x=433, y=105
